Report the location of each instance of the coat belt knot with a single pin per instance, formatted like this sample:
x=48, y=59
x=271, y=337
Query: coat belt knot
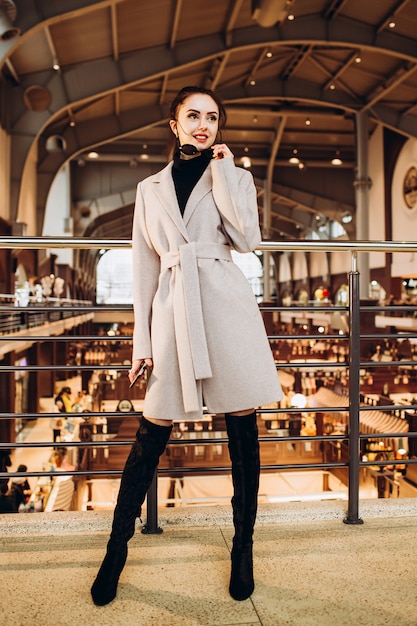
x=192, y=350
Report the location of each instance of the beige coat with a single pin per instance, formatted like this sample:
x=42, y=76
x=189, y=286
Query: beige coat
x=195, y=313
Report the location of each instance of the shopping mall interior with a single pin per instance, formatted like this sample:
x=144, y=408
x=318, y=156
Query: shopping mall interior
x=321, y=108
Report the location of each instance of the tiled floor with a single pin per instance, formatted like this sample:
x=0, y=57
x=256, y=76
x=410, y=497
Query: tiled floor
x=311, y=569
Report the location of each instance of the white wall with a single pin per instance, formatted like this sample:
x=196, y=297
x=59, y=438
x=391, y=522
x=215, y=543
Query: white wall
x=404, y=219
x=299, y=265
x=57, y=214
x=26, y=211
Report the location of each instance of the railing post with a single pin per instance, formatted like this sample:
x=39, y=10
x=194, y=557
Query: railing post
x=151, y=527
x=354, y=395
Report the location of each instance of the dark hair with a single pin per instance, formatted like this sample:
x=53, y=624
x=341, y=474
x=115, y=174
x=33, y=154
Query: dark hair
x=183, y=94
x=22, y=468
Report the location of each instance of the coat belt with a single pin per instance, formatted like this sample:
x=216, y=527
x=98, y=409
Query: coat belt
x=190, y=334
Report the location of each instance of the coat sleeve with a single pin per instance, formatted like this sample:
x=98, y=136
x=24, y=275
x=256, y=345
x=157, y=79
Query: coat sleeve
x=234, y=193
x=146, y=269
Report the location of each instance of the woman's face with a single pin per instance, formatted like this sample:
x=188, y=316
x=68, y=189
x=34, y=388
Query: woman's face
x=197, y=121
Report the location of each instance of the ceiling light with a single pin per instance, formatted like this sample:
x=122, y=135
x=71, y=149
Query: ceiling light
x=336, y=159
x=7, y=17
x=301, y=165
x=72, y=123
x=332, y=86
x=252, y=82
x=294, y=159
x=291, y=17
x=92, y=155
x=255, y=119
x=308, y=121
x=269, y=54
x=391, y=24
x=55, y=65
x=358, y=59
x=298, y=401
x=246, y=162
x=55, y=144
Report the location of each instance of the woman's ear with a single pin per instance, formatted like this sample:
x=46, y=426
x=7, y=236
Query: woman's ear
x=173, y=126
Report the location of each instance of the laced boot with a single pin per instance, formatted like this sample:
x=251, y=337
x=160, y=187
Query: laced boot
x=244, y=455
x=137, y=476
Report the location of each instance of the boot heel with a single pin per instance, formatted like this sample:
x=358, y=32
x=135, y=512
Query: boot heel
x=104, y=587
x=241, y=579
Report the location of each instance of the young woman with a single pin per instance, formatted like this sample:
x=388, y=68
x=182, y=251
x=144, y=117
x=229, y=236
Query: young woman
x=197, y=324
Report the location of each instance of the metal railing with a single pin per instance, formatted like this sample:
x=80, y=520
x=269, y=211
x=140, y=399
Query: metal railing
x=354, y=365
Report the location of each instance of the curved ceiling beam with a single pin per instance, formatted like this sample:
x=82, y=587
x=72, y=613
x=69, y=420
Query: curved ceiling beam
x=87, y=135
x=97, y=78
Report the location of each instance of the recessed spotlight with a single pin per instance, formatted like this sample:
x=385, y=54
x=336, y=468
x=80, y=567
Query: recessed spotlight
x=336, y=159
x=308, y=121
x=252, y=82
x=246, y=162
x=392, y=24
x=291, y=17
x=269, y=54
x=358, y=59
x=332, y=86
x=92, y=155
x=294, y=159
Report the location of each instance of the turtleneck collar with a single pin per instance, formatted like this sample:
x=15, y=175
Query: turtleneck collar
x=187, y=172
x=197, y=160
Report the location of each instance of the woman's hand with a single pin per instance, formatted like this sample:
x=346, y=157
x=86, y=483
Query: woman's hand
x=136, y=366
x=221, y=151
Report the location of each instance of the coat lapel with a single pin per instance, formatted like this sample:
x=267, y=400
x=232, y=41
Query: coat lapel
x=164, y=188
x=202, y=188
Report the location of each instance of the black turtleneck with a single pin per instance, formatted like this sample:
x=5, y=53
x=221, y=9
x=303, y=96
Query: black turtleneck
x=186, y=173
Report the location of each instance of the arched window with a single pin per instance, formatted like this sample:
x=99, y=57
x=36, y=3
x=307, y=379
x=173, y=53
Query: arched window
x=114, y=275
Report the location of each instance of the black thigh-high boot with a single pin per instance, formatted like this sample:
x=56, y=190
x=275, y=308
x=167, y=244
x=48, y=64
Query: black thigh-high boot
x=137, y=476
x=244, y=454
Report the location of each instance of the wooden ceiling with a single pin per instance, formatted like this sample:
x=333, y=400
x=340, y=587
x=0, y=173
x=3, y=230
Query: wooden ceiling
x=294, y=76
